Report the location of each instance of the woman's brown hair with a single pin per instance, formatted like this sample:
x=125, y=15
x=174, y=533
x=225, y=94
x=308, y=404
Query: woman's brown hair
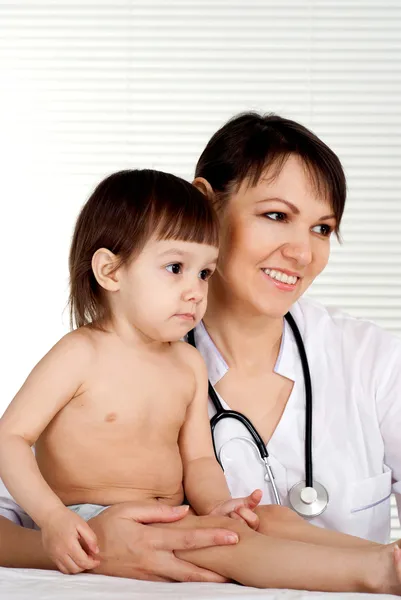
x=123, y=212
x=250, y=143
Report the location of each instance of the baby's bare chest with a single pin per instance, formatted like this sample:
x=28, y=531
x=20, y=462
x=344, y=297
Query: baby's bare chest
x=143, y=399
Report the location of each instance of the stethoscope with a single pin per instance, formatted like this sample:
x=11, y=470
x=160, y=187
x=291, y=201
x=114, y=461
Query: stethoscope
x=308, y=498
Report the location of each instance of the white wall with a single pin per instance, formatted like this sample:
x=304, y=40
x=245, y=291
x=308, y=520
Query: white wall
x=90, y=87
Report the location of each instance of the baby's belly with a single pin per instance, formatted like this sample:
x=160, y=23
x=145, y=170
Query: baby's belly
x=111, y=473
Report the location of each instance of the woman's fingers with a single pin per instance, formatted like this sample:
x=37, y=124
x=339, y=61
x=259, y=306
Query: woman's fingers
x=193, y=539
x=152, y=513
x=166, y=541
x=134, y=550
x=182, y=571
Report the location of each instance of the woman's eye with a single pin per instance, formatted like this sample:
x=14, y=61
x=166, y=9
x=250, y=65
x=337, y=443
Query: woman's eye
x=324, y=230
x=175, y=268
x=276, y=216
x=205, y=274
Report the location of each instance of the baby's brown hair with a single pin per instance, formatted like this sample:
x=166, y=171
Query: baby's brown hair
x=123, y=212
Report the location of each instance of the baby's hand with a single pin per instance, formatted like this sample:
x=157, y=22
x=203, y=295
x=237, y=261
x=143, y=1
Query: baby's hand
x=62, y=537
x=241, y=508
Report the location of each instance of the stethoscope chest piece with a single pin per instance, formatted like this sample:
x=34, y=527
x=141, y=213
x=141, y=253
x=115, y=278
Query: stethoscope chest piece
x=308, y=501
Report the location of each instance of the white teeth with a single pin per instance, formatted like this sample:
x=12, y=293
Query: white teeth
x=283, y=277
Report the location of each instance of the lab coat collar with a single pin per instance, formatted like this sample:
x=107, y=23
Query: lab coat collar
x=215, y=363
x=288, y=353
x=217, y=366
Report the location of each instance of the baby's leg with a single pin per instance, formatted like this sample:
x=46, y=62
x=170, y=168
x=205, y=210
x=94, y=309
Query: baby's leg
x=282, y=522
x=266, y=562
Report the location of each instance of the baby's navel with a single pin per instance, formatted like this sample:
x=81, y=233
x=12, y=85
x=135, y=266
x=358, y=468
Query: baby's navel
x=110, y=417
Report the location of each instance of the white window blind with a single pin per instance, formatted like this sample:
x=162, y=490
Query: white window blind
x=89, y=87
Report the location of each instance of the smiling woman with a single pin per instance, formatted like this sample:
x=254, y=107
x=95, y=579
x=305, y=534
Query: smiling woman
x=282, y=206
x=280, y=193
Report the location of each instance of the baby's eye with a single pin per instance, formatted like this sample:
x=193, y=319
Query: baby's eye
x=175, y=268
x=276, y=216
x=205, y=274
x=324, y=230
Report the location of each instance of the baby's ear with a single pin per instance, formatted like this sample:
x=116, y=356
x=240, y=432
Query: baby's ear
x=104, y=269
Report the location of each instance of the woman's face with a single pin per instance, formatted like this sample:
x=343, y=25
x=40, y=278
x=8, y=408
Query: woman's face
x=275, y=241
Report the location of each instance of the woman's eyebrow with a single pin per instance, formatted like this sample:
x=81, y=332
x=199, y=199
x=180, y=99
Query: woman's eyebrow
x=293, y=208
x=326, y=217
x=290, y=205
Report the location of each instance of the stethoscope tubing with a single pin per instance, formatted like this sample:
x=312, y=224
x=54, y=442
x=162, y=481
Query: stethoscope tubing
x=222, y=413
x=308, y=399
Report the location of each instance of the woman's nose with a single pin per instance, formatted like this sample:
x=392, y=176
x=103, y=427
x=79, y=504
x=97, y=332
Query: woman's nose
x=299, y=252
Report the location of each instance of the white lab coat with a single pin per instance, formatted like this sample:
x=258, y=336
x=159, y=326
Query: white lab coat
x=356, y=381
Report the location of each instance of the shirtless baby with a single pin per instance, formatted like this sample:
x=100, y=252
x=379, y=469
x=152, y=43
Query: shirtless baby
x=117, y=408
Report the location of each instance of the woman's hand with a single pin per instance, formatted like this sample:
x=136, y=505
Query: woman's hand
x=241, y=508
x=129, y=547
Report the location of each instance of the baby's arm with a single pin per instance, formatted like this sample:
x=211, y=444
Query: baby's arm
x=204, y=482
x=50, y=386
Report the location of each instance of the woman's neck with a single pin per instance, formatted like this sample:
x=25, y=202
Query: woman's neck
x=246, y=341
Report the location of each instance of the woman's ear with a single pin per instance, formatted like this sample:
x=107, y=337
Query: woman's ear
x=204, y=186
x=104, y=269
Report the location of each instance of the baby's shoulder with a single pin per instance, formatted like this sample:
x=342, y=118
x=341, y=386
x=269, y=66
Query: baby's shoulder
x=189, y=356
x=78, y=346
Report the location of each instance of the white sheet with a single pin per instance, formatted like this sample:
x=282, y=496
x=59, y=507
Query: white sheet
x=30, y=584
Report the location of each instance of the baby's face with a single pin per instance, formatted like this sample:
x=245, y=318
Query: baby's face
x=163, y=291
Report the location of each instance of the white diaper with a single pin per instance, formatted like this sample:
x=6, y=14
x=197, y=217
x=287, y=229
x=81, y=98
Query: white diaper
x=87, y=511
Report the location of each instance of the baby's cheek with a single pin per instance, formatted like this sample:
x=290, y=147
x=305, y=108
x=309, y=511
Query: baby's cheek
x=202, y=308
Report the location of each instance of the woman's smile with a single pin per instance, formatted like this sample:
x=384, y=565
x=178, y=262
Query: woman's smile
x=283, y=280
